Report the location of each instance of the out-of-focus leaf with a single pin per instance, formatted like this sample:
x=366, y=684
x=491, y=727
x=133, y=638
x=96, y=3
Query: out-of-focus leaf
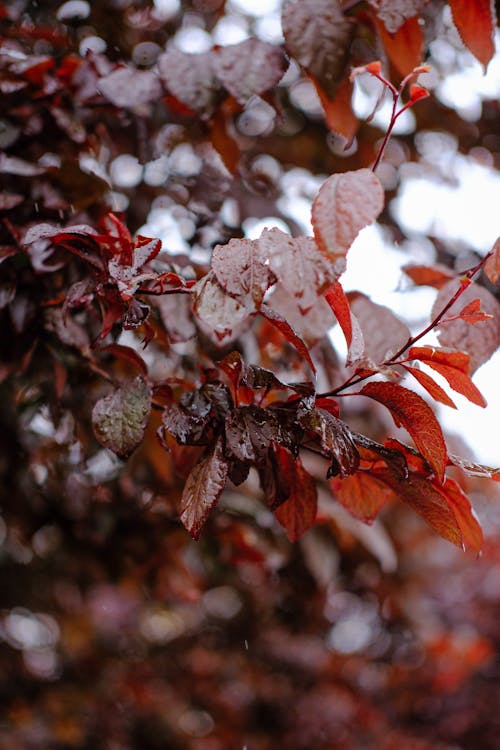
x=475, y=21
x=362, y=494
x=335, y=440
x=249, y=67
x=339, y=115
x=298, y=265
x=318, y=35
x=383, y=332
x=479, y=341
x=492, y=265
x=473, y=469
x=298, y=513
x=10, y=200
x=410, y=410
x=127, y=354
x=404, y=47
x=395, y=12
x=435, y=276
x=203, y=488
x=127, y=87
x=190, y=78
x=344, y=205
x=119, y=420
x=21, y=167
x=175, y=312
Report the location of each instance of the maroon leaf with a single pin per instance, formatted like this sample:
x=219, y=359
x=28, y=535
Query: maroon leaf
x=344, y=205
x=410, y=410
x=249, y=433
x=127, y=354
x=335, y=440
x=119, y=420
x=472, y=313
x=249, y=67
x=318, y=35
x=298, y=265
x=190, y=78
x=202, y=490
x=286, y=329
x=298, y=513
x=362, y=494
x=127, y=87
x=479, y=341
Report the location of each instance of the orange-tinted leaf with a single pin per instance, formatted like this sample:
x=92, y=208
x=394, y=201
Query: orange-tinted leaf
x=286, y=329
x=472, y=313
x=492, y=265
x=434, y=276
x=202, y=490
x=472, y=533
x=429, y=501
x=430, y=385
x=473, y=469
x=475, y=22
x=362, y=494
x=458, y=360
x=339, y=114
x=460, y=383
x=418, y=92
x=404, y=47
x=223, y=142
x=298, y=513
x=410, y=410
x=345, y=204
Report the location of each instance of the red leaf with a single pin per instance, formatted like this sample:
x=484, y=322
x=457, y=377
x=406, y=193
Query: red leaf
x=472, y=533
x=430, y=386
x=362, y=494
x=298, y=513
x=202, y=490
x=288, y=332
x=492, y=265
x=418, y=92
x=434, y=276
x=298, y=264
x=404, y=47
x=344, y=205
x=474, y=470
x=335, y=296
x=429, y=501
x=475, y=22
x=329, y=405
x=453, y=367
x=472, y=313
x=318, y=35
x=119, y=420
x=128, y=354
x=410, y=410
x=241, y=272
x=222, y=141
x=220, y=312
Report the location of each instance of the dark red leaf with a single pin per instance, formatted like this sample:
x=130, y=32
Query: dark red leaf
x=410, y=410
x=472, y=313
x=335, y=296
x=449, y=357
x=335, y=439
x=472, y=533
x=475, y=21
x=298, y=513
x=344, y=205
x=203, y=488
x=249, y=433
x=288, y=332
x=119, y=420
x=128, y=354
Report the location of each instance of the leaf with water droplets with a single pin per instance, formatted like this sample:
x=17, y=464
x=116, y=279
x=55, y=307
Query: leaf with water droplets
x=119, y=420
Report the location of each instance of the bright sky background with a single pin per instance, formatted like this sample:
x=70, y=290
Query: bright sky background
x=464, y=208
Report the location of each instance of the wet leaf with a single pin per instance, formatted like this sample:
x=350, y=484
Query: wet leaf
x=473, y=469
x=298, y=513
x=248, y=68
x=344, y=205
x=410, y=411
x=475, y=21
x=383, y=332
x=430, y=385
x=286, y=329
x=362, y=494
x=335, y=440
x=119, y=420
x=240, y=270
x=453, y=366
x=220, y=312
x=203, y=489
x=395, y=12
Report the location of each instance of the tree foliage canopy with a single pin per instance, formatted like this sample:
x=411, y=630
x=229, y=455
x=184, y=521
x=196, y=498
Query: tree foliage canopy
x=167, y=373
